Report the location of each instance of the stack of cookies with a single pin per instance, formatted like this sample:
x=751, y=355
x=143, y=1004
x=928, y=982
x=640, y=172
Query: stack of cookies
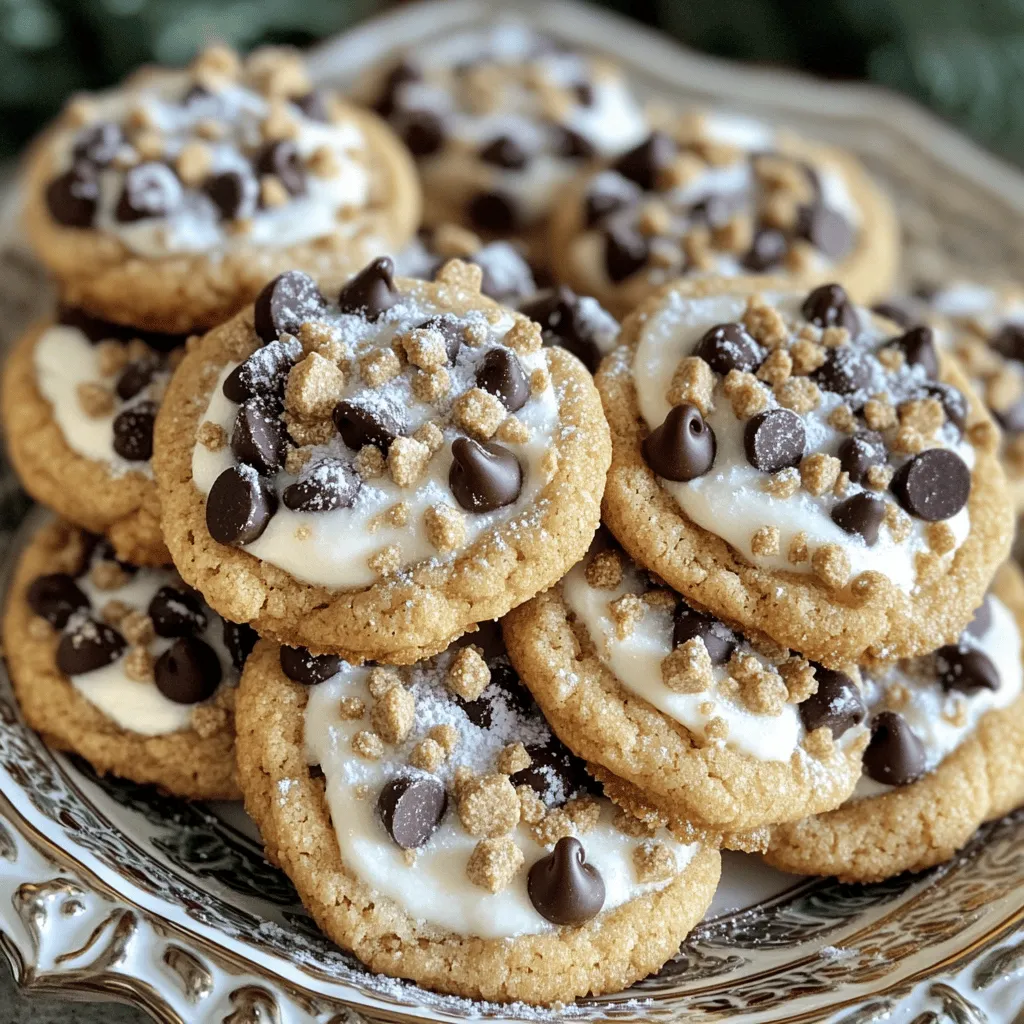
x=343, y=555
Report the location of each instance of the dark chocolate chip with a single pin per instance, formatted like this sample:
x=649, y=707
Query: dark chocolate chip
x=136, y=376
x=644, y=162
x=285, y=304
x=846, y=370
x=584, y=92
x=398, y=76
x=411, y=807
x=71, y=197
x=485, y=476
x=953, y=402
x=837, y=703
x=934, y=485
x=774, y=440
x=563, y=888
x=264, y=374
x=150, y=190
x=239, y=506
x=359, y=426
x=259, y=437
x=767, y=251
x=894, y=755
x=901, y=315
x=314, y=105
x=505, y=152
x=829, y=232
x=981, y=621
x=607, y=195
x=555, y=774
x=571, y=144
x=55, y=597
x=728, y=347
x=282, y=159
x=830, y=306
x=422, y=131
x=625, y=251
x=327, y=485
x=450, y=328
x=1008, y=341
x=309, y=669
x=918, y=348
x=862, y=514
x=188, y=672
x=133, y=432
x=1011, y=419
x=98, y=144
x=372, y=291
x=718, y=638
x=965, y=669
x=240, y=639
x=87, y=646
x=683, y=447
x=500, y=373
x=716, y=209
x=565, y=322
x=495, y=212
x=176, y=613
x=857, y=454
x=234, y=193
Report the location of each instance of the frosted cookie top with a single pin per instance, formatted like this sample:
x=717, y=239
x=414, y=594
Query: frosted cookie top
x=452, y=797
x=141, y=646
x=807, y=434
x=760, y=701
x=227, y=152
x=501, y=118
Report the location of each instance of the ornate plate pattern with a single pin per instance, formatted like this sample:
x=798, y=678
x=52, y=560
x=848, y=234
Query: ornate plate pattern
x=110, y=889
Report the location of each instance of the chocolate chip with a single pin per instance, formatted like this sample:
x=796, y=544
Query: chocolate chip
x=500, y=373
x=264, y=374
x=894, y=755
x=327, y=485
x=98, y=144
x=87, y=646
x=829, y=232
x=981, y=621
x=505, y=152
x=900, y=315
x=149, y=190
x=133, y=432
x=485, y=476
x=285, y=304
x=495, y=212
x=571, y=144
x=918, y=348
x=644, y=163
x=282, y=159
x=555, y=774
x=862, y=514
x=837, y=703
x=188, y=672
x=359, y=426
x=176, y=613
x=450, y=328
x=728, y=347
x=683, y=447
x=718, y=638
x=372, y=291
x=953, y=402
x=240, y=639
x=934, y=485
x=55, y=597
x=239, y=506
x=625, y=251
x=857, y=454
x=607, y=195
x=830, y=306
x=846, y=370
x=563, y=888
x=411, y=807
x=422, y=131
x=1011, y=419
x=716, y=209
x=72, y=196
x=398, y=76
x=309, y=669
x=258, y=438
x=965, y=669
x=1008, y=341
x=566, y=321
x=136, y=376
x=774, y=440
x=584, y=92
x=767, y=251
x=314, y=105
x=235, y=194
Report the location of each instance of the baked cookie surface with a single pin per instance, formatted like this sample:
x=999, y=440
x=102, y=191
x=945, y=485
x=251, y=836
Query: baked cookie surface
x=79, y=401
x=375, y=475
x=944, y=756
x=789, y=463
x=123, y=666
x=473, y=857
x=715, y=194
x=168, y=203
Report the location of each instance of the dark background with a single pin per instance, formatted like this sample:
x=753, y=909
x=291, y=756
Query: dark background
x=964, y=58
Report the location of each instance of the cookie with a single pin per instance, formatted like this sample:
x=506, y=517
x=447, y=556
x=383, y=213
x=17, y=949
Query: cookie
x=499, y=120
x=125, y=667
x=800, y=468
x=79, y=401
x=712, y=730
x=713, y=194
x=944, y=756
x=434, y=827
x=168, y=203
x=433, y=466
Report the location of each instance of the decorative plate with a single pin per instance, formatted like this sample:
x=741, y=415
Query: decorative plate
x=110, y=890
